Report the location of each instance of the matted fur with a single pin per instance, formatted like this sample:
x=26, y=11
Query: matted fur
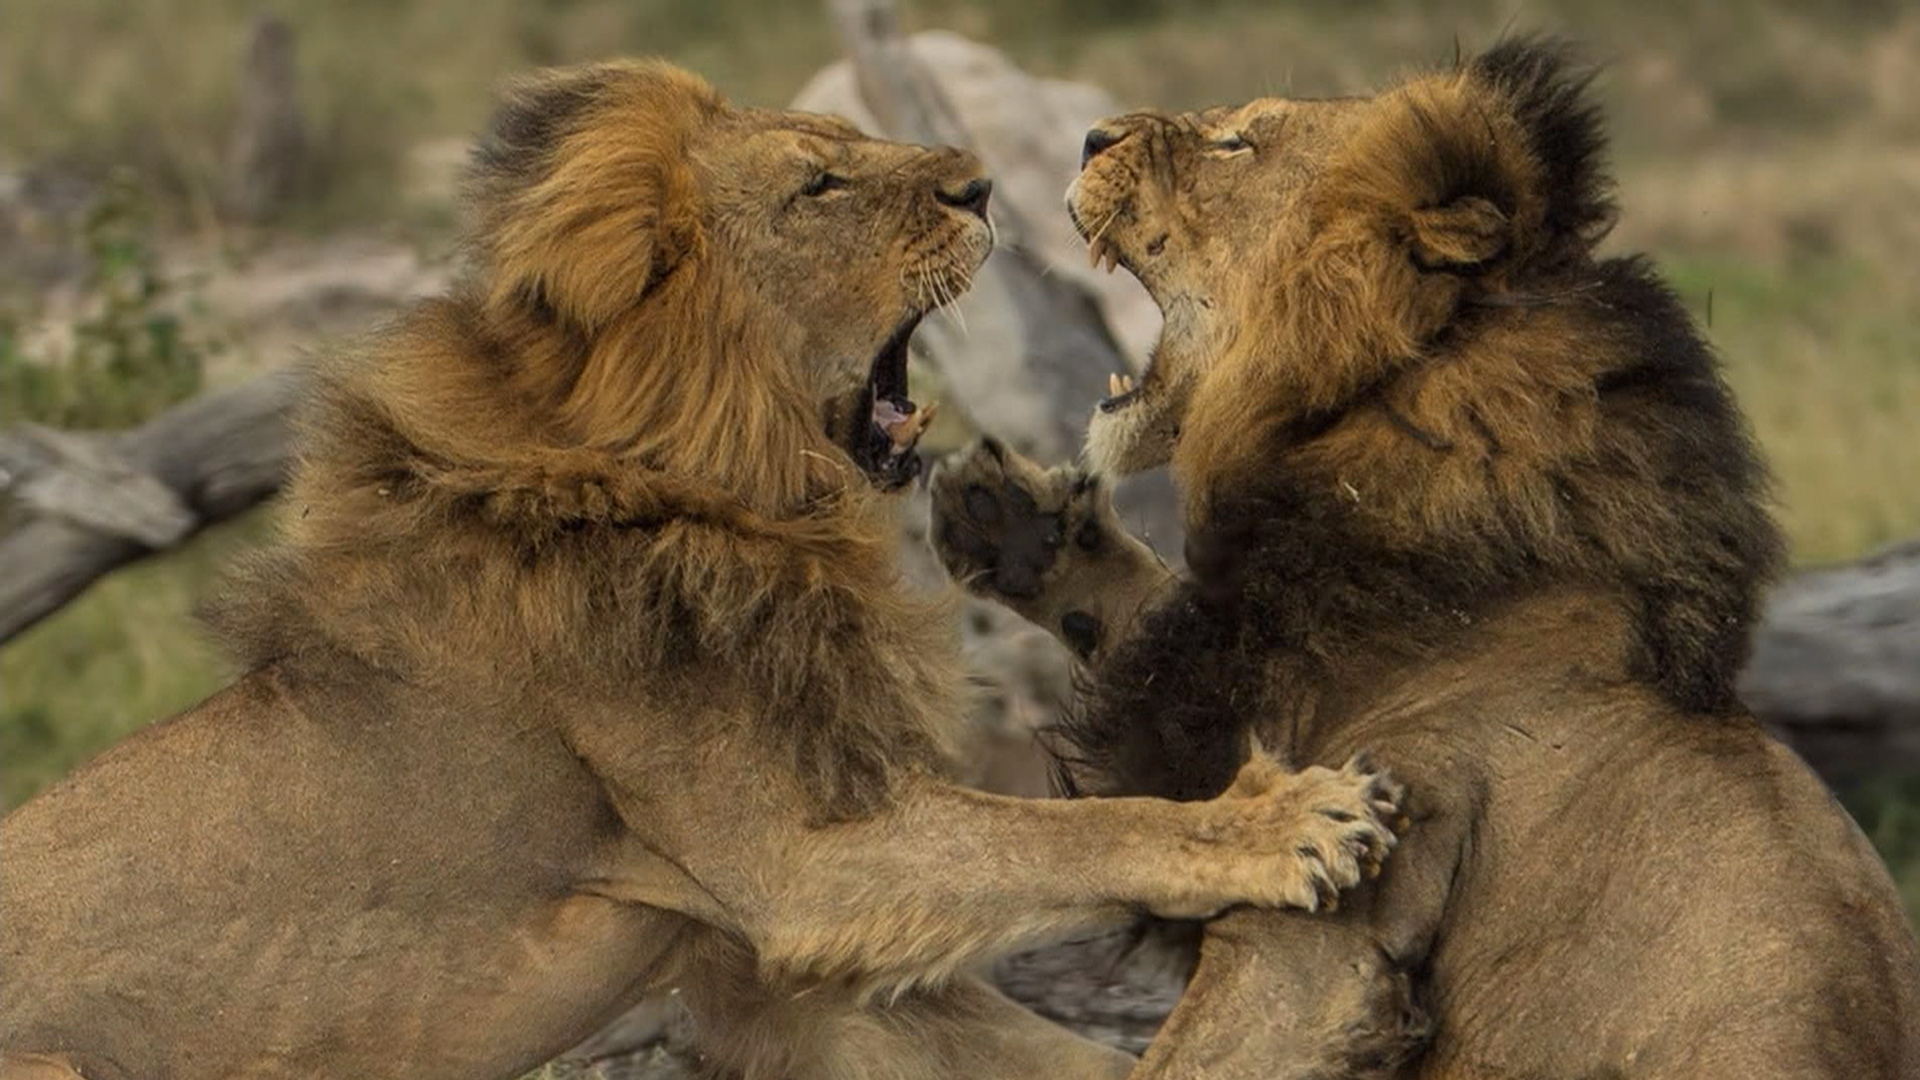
x=1473, y=498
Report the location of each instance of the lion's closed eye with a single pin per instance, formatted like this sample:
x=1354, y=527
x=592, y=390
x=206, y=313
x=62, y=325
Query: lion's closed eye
x=824, y=182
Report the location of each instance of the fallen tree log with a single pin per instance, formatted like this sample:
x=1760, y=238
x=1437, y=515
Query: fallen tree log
x=1836, y=666
x=95, y=501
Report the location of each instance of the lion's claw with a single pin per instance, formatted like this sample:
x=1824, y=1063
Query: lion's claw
x=1326, y=828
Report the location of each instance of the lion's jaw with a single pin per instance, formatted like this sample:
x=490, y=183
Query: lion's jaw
x=855, y=240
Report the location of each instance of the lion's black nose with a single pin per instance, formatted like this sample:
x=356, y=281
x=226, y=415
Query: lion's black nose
x=971, y=195
x=1098, y=139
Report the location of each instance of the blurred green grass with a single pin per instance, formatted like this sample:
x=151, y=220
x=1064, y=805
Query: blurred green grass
x=1888, y=810
x=1769, y=155
x=127, y=653
x=1826, y=371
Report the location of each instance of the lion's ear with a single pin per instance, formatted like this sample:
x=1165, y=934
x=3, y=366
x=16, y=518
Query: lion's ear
x=1498, y=161
x=585, y=200
x=1464, y=233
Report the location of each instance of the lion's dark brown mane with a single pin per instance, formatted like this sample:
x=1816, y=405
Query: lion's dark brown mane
x=1295, y=586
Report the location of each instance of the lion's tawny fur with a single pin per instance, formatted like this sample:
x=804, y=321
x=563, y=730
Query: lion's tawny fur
x=1472, y=497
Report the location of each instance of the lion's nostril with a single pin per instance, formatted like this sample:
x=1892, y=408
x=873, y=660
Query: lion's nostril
x=1098, y=140
x=972, y=195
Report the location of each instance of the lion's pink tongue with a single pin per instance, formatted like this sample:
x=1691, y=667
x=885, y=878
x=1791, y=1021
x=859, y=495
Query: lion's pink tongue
x=903, y=428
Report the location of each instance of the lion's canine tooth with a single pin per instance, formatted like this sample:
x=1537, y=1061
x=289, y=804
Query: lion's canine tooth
x=909, y=429
x=1102, y=254
x=1126, y=384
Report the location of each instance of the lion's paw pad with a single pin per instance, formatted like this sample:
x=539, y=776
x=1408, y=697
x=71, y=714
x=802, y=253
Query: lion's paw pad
x=1000, y=521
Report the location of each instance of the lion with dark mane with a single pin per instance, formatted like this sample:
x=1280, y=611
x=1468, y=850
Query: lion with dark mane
x=1467, y=494
x=584, y=670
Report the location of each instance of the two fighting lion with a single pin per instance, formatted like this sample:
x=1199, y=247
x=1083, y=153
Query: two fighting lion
x=584, y=669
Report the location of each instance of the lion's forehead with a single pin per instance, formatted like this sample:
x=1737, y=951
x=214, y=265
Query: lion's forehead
x=827, y=126
x=1251, y=114
x=816, y=140
x=824, y=126
x=1294, y=118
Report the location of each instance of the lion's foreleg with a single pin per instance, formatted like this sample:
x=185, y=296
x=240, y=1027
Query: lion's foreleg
x=947, y=876
x=1337, y=996
x=963, y=1028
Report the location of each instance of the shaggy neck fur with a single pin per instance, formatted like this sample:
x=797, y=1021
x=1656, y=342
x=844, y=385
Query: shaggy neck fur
x=486, y=497
x=1394, y=460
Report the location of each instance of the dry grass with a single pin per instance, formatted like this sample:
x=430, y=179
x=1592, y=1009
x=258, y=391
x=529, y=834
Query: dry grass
x=83, y=85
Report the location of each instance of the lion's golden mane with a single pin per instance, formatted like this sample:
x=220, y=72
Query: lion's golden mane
x=597, y=368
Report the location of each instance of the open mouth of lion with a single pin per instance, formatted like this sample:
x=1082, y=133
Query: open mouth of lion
x=884, y=445
x=1104, y=254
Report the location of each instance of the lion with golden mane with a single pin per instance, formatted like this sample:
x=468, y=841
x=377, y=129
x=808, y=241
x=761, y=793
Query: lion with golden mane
x=584, y=669
x=1465, y=493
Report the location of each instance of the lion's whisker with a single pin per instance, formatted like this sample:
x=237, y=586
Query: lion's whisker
x=1035, y=255
x=1106, y=224
x=952, y=304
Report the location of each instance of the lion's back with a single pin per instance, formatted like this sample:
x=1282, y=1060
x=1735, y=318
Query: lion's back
x=280, y=854
x=1683, y=886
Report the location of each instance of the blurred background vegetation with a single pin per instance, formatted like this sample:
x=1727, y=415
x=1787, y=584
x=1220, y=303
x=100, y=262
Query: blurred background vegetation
x=1769, y=154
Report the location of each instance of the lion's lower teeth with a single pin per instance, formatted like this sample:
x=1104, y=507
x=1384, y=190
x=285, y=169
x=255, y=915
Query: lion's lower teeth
x=903, y=428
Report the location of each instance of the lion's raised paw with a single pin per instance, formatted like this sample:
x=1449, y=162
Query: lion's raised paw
x=1001, y=523
x=1348, y=828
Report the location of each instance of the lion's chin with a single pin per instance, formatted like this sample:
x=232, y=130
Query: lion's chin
x=1136, y=427
x=1132, y=441
x=887, y=423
